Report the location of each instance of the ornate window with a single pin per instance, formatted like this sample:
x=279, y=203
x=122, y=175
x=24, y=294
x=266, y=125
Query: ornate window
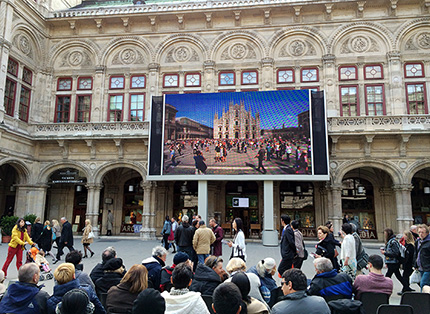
x=249, y=77
x=416, y=98
x=171, y=80
x=227, y=78
x=375, y=100
x=138, y=81
x=285, y=76
x=137, y=107
x=309, y=75
x=414, y=70
x=9, y=97
x=64, y=83
x=12, y=67
x=115, y=107
x=347, y=73
x=83, y=108
x=62, y=108
x=24, y=103
x=373, y=72
x=349, y=101
x=85, y=83
x=27, y=76
x=192, y=79
x=116, y=82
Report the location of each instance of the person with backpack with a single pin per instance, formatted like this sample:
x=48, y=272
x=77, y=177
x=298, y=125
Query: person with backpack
x=362, y=256
x=407, y=259
x=391, y=252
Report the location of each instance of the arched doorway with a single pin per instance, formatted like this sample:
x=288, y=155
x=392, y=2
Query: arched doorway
x=420, y=197
x=185, y=198
x=8, y=179
x=67, y=190
x=297, y=201
x=242, y=202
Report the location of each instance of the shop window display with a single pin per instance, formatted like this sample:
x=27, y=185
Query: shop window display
x=133, y=206
x=420, y=199
x=185, y=200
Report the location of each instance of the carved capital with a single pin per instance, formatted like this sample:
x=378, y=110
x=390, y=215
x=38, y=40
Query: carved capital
x=329, y=58
x=403, y=187
x=154, y=67
x=267, y=62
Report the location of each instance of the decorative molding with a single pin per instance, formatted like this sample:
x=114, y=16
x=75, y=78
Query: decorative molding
x=208, y=20
x=267, y=17
x=328, y=11
x=360, y=8
x=119, y=143
x=236, y=18
x=64, y=147
x=180, y=21
x=297, y=10
x=92, y=145
x=99, y=24
x=404, y=139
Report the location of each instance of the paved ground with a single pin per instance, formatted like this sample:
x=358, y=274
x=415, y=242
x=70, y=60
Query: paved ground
x=133, y=251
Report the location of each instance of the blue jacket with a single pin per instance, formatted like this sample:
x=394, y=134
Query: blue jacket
x=266, y=281
x=60, y=291
x=167, y=227
x=24, y=298
x=153, y=265
x=331, y=283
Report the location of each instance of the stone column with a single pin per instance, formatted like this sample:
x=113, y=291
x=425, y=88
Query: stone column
x=147, y=232
x=335, y=210
x=98, y=101
x=330, y=79
x=30, y=199
x=93, y=202
x=209, y=76
x=396, y=94
x=270, y=235
x=203, y=199
x=404, y=207
x=154, y=205
x=267, y=74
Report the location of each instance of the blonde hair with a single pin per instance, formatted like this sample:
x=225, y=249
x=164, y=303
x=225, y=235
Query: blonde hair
x=235, y=264
x=55, y=222
x=87, y=222
x=47, y=223
x=137, y=276
x=64, y=273
x=409, y=238
x=37, y=219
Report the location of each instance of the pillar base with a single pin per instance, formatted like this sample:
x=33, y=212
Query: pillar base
x=270, y=238
x=147, y=234
x=96, y=232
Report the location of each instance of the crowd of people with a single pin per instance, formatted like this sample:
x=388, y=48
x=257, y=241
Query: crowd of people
x=200, y=281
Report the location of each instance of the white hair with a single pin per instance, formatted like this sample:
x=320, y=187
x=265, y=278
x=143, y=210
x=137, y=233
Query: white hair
x=185, y=218
x=323, y=264
x=159, y=251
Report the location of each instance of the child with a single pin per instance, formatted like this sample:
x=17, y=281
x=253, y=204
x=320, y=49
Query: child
x=40, y=260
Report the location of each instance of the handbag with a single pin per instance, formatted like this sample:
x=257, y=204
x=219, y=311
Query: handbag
x=362, y=260
x=306, y=254
x=90, y=235
x=415, y=277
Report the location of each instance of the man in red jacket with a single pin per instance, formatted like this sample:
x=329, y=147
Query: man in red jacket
x=219, y=235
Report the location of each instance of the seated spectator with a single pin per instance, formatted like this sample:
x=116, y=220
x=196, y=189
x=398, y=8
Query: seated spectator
x=180, y=300
x=295, y=299
x=66, y=281
x=75, y=301
x=114, y=272
x=75, y=257
x=251, y=305
x=166, y=272
x=2, y=286
x=154, y=264
x=207, y=278
x=149, y=301
x=328, y=283
x=227, y=299
x=25, y=296
x=375, y=281
x=120, y=298
x=236, y=265
x=426, y=289
x=98, y=271
x=265, y=269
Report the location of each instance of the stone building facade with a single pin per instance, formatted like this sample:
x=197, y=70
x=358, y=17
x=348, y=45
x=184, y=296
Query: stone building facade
x=237, y=123
x=76, y=86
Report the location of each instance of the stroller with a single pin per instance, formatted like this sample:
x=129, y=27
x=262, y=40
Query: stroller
x=45, y=270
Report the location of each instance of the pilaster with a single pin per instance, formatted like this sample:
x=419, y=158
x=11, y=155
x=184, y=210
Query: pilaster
x=148, y=231
x=396, y=83
x=404, y=206
x=93, y=203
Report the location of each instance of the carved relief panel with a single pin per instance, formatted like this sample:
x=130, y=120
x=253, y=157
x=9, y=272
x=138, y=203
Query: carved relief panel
x=76, y=57
x=418, y=41
x=360, y=43
x=237, y=51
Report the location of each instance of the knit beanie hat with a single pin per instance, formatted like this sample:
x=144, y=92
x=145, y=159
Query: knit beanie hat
x=149, y=301
x=180, y=257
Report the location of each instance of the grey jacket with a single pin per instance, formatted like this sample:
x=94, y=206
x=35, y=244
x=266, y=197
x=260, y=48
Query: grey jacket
x=300, y=303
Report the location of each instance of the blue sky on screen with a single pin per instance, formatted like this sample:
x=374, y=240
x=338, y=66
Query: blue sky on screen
x=277, y=108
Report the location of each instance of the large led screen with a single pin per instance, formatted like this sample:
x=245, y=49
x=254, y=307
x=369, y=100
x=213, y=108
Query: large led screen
x=272, y=135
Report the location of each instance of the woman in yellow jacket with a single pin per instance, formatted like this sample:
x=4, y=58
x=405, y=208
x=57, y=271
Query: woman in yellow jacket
x=18, y=240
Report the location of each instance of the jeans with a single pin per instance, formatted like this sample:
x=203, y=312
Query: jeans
x=425, y=279
x=202, y=257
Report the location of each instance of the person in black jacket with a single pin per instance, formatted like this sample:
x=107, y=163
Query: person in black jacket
x=392, y=255
x=113, y=273
x=36, y=231
x=184, y=237
x=409, y=262
x=45, y=240
x=66, y=238
x=325, y=247
x=423, y=254
x=207, y=276
x=288, y=245
x=98, y=270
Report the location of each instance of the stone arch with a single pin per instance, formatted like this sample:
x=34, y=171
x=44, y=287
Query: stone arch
x=104, y=169
x=306, y=32
x=46, y=171
x=20, y=167
x=390, y=168
x=131, y=41
x=374, y=31
x=246, y=36
x=178, y=39
x=414, y=168
x=25, y=40
x=60, y=50
x=406, y=32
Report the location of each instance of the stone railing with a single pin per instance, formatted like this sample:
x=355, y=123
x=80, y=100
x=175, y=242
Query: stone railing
x=90, y=130
x=379, y=124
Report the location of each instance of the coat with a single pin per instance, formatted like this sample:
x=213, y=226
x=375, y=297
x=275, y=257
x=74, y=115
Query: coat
x=330, y=284
x=109, y=221
x=203, y=238
x=184, y=235
x=189, y=303
x=120, y=299
x=108, y=280
x=288, y=246
x=217, y=245
x=45, y=240
x=300, y=302
x=16, y=238
x=67, y=234
x=423, y=254
x=85, y=240
x=36, y=231
x=153, y=265
x=24, y=298
x=205, y=280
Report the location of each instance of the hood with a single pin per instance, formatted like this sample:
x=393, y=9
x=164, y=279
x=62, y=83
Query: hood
x=60, y=290
x=185, y=225
x=180, y=304
x=328, y=274
x=152, y=260
x=21, y=292
x=205, y=273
